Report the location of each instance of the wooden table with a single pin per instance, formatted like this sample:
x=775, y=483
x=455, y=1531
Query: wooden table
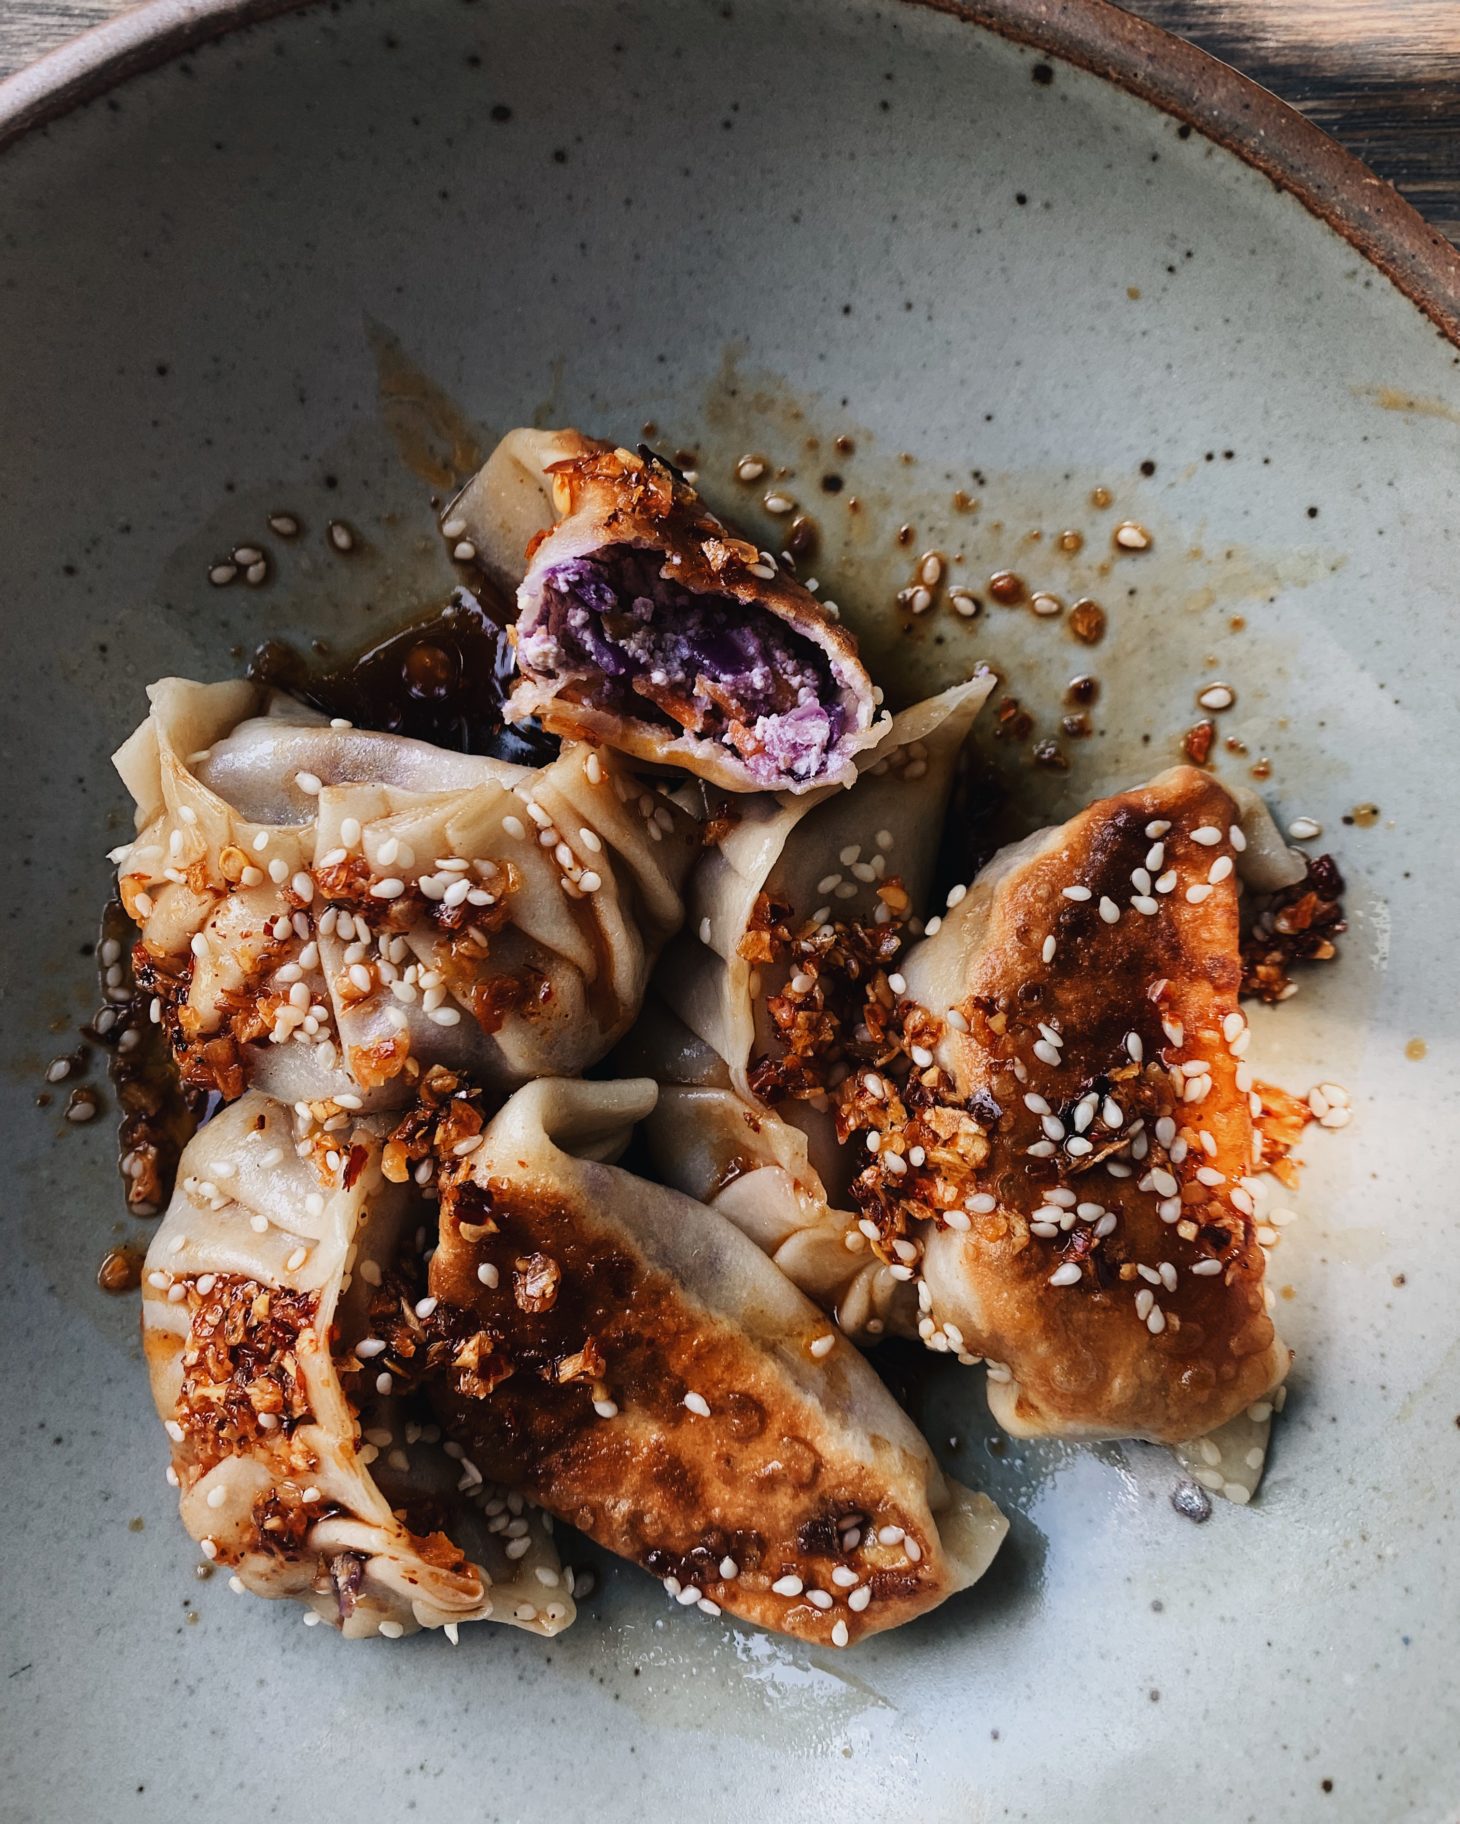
x=1382, y=76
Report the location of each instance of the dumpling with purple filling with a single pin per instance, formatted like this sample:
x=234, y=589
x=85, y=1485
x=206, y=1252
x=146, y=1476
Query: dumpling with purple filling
x=644, y=624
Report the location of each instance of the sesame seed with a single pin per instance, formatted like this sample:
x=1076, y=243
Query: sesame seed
x=859, y=1598
x=1066, y=1275
x=956, y=897
x=1131, y=537
x=1217, y=696
x=789, y=1585
x=1077, y=893
x=390, y=888
x=823, y=1346
x=1199, y=893
x=1305, y=829
x=1156, y=1322
x=1109, y=911
x=1220, y=869
x=696, y=1402
x=840, y=1634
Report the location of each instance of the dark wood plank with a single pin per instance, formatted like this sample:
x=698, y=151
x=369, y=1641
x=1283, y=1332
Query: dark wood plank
x=1382, y=76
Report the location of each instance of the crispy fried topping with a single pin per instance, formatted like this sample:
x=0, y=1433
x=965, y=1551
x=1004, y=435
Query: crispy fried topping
x=240, y=1363
x=1297, y=925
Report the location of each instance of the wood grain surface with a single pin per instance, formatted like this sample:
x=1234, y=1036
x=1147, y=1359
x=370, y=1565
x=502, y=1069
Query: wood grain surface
x=1382, y=76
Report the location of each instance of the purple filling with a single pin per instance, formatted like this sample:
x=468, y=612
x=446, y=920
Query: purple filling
x=705, y=663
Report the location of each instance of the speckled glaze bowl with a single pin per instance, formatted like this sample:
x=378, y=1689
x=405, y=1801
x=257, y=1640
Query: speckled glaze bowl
x=1042, y=260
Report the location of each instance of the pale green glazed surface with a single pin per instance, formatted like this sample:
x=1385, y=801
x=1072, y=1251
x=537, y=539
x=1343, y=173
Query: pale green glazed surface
x=265, y=226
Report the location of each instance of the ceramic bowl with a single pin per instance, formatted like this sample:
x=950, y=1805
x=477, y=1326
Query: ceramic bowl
x=1039, y=259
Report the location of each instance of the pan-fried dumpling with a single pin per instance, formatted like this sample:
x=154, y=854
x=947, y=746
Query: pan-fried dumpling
x=864, y=855
x=297, y=1465
x=1081, y=1000
x=644, y=624
x=326, y=911
x=636, y=1364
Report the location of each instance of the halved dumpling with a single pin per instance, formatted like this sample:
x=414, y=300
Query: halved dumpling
x=646, y=625
x=1080, y=1000
x=638, y=1366
x=297, y=1466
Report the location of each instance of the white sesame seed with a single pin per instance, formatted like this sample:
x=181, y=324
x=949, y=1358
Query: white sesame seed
x=1220, y=869
x=1197, y=894
x=823, y=1346
x=1077, y=893
x=1217, y=696
x=1305, y=829
x=840, y=1634
x=956, y=897
x=789, y=1585
x=1066, y=1275
x=696, y=1402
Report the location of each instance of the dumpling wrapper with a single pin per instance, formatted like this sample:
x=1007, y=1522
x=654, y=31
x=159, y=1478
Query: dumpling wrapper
x=250, y=1321
x=1116, y=932
x=279, y=959
x=751, y=1167
x=669, y=1392
x=644, y=624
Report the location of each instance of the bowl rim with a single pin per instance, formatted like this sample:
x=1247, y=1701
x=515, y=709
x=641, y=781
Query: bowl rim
x=1143, y=59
